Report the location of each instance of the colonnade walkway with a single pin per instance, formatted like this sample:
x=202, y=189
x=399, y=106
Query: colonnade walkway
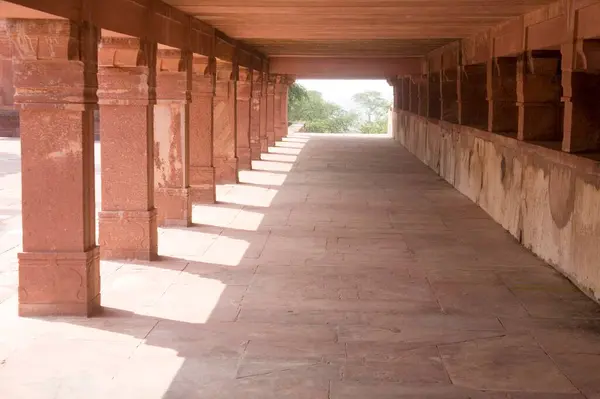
x=340, y=268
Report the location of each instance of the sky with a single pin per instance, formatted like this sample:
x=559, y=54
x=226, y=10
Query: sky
x=341, y=91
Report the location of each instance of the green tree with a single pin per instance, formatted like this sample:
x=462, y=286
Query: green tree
x=297, y=93
x=372, y=104
x=378, y=126
x=318, y=115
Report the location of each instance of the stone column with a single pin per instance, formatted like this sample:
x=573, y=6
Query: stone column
x=502, y=95
x=434, y=95
x=423, y=95
x=202, y=171
x=244, y=92
x=126, y=91
x=224, y=137
x=414, y=94
x=284, y=106
x=449, y=95
x=264, y=138
x=277, y=107
x=581, y=84
x=55, y=66
x=171, y=138
x=271, y=111
x=255, y=115
x=539, y=96
x=472, y=96
x=406, y=82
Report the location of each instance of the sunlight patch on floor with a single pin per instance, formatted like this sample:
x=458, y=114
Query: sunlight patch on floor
x=262, y=178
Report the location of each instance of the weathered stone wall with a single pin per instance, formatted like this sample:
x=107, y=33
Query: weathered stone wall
x=547, y=199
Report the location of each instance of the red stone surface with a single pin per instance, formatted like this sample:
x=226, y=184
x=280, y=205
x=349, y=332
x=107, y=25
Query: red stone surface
x=244, y=93
x=271, y=111
x=54, y=67
x=255, y=115
x=224, y=129
x=7, y=90
x=126, y=79
x=202, y=171
x=278, y=108
x=263, y=136
x=171, y=139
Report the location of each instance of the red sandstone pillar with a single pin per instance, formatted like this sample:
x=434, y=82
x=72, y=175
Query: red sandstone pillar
x=580, y=84
x=539, y=96
x=224, y=136
x=271, y=111
x=284, y=106
x=264, y=137
x=55, y=65
x=277, y=107
x=126, y=91
x=502, y=95
x=255, y=115
x=202, y=171
x=171, y=138
x=244, y=91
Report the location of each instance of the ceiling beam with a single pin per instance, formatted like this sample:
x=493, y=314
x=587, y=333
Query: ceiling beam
x=345, y=68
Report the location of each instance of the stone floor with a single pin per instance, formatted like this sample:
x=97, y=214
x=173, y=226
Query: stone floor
x=340, y=267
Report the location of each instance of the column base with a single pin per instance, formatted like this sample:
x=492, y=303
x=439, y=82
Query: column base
x=244, y=159
x=255, y=150
x=59, y=283
x=264, y=145
x=128, y=235
x=202, y=185
x=226, y=170
x=173, y=207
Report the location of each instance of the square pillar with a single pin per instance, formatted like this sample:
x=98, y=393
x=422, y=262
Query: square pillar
x=244, y=92
x=224, y=125
x=472, y=96
x=263, y=135
x=271, y=110
x=126, y=91
x=284, y=105
x=406, y=83
x=434, y=95
x=449, y=95
x=256, y=115
x=55, y=66
x=423, y=84
x=503, y=114
x=413, y=90
x=202, y=171
x=278, y=108
x=539, y=94
x=581, y=85
x=171, y=138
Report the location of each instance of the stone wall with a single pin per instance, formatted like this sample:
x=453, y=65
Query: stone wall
x=548, y=200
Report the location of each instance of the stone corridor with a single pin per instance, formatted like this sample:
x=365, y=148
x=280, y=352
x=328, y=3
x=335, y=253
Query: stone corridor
x=341, y=267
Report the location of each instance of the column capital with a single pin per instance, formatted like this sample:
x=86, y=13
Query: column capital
x=257, y=83
x=127, y=73
x=173, y=75
x=203, y=76
x=54, y=62
x=224, y=71
x=244, y=85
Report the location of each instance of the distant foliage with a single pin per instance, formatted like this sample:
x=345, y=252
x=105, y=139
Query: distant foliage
x=375, y=108
x=376, y=127
x=318, y=115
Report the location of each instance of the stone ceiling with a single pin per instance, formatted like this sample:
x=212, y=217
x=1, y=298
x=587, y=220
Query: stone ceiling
x=353, y=27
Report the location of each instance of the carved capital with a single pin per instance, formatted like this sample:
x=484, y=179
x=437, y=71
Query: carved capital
x=126, y=52
x=54, y=62
x=224, y=71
